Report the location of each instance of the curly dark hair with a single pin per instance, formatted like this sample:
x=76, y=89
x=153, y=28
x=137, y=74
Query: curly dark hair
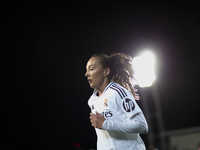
x=121, y=69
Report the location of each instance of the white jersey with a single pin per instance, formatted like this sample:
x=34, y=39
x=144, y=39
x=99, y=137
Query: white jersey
x=117, y=104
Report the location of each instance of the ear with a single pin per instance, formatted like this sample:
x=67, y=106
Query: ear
x=106, y=72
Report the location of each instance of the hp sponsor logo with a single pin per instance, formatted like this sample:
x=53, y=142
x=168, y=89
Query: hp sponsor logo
x=128, y=105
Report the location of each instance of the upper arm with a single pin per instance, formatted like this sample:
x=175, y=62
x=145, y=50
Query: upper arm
x=127, y=105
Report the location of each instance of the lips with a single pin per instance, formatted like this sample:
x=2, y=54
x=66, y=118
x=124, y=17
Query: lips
x=89, y=80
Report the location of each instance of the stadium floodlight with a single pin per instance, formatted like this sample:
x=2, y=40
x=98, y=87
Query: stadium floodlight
x=144, y=69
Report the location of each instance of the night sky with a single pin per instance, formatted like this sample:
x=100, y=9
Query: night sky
x=50, y=43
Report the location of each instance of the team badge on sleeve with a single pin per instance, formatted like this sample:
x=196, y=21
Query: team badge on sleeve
x=128, y=105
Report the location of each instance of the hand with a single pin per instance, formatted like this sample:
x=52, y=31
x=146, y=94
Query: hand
x=97, y=120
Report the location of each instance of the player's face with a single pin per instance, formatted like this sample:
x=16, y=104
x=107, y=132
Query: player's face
x=94, y=73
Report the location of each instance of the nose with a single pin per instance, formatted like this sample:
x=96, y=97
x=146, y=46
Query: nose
x=86, y=74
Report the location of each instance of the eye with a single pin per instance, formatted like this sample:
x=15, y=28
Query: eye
x=91, y=69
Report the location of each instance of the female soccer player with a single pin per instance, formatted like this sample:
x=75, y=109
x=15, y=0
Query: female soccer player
x=117, y=118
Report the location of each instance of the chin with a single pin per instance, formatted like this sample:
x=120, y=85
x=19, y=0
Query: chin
x=92, y=86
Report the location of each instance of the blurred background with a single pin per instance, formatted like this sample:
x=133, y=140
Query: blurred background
x=49, y=44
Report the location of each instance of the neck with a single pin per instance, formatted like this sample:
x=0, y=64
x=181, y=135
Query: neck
x=102, y=87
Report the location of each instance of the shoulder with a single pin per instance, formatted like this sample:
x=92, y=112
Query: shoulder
x=119, y=90
x=124, y=100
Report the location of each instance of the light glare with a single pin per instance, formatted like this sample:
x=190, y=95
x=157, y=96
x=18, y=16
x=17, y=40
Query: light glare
x=144, y=69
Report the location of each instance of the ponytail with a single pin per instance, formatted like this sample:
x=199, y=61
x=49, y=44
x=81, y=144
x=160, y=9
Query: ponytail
x=121, y=70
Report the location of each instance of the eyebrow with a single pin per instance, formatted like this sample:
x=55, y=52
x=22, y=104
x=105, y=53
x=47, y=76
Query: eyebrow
x=90, y=66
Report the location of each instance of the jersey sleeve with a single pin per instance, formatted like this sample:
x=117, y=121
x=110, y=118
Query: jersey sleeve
x=136, y=125
x=126, y=103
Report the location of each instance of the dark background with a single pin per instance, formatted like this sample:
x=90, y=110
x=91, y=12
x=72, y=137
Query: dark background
x=50, y=43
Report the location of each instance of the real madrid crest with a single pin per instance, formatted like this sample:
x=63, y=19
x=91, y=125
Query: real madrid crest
x=106, y=103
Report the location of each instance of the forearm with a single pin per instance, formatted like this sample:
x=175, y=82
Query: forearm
x=136, y=125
